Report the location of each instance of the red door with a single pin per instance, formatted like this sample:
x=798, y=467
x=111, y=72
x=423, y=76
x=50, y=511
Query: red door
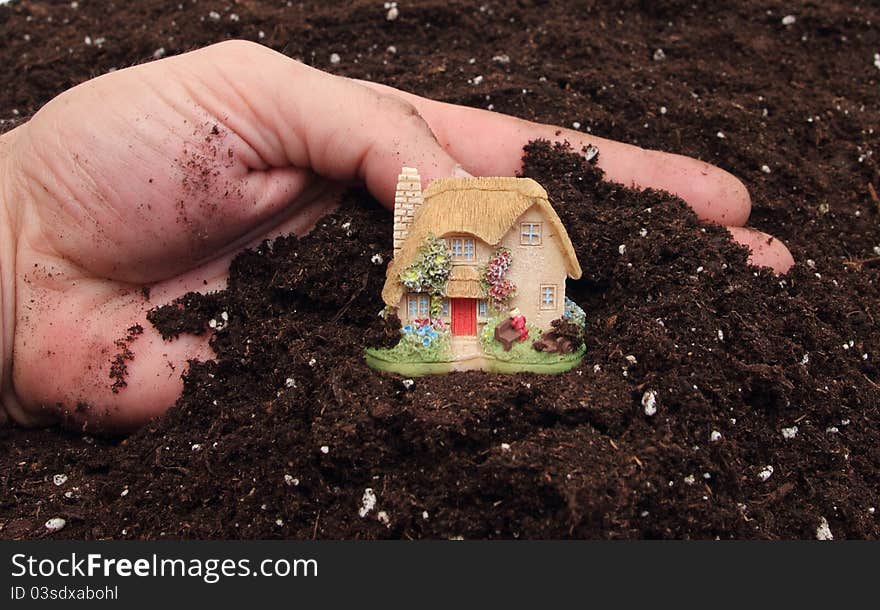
x=464, y=316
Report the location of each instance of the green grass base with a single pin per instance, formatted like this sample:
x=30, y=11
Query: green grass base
x=541, y=368
x=375, y=360
x=407, y=369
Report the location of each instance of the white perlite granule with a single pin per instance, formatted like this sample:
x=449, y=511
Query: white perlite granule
x=55, y=524
x=368, y=502
x=823, y=532
x=649, y=402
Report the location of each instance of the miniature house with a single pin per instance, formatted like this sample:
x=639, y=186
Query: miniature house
x=477, y=219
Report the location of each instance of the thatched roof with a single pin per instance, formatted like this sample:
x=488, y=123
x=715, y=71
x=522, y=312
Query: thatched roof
x=483, y=207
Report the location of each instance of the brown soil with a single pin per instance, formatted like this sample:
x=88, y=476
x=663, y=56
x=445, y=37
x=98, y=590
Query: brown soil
x=282, y=434
x=119, y=367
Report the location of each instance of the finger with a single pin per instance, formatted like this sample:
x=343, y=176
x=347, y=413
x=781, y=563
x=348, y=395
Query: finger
x=201, y=150
x=490, y=144
x=294, y=115
x=766, y=250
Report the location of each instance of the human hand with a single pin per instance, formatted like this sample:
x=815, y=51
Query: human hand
x=159, y=174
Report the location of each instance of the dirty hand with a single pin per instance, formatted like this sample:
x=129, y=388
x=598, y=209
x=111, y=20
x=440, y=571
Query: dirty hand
x=155, y=176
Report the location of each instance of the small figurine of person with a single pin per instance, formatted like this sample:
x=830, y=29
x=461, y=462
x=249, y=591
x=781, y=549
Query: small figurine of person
x=519, y=323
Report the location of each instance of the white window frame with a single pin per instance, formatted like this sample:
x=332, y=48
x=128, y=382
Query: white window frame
x=462, y=248
x=422, y=302
x=482, y=309
x=445, y=308
x=552, y=291
x=531, y=233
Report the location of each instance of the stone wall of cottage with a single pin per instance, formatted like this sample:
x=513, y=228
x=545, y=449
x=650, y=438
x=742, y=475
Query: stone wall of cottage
x=535, y=266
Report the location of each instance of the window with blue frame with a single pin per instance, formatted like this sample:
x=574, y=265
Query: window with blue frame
x=462, y=248
x=418, y=306
x=482, y=310
x=444, y=308
x=530, y=234
x=548, y=296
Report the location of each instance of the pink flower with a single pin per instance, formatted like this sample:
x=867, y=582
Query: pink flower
x=500, y=289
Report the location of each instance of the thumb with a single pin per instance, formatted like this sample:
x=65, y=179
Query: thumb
x=296, y=116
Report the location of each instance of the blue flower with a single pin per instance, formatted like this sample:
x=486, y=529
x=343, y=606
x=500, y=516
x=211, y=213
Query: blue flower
x=426, y=341
x=407, y=329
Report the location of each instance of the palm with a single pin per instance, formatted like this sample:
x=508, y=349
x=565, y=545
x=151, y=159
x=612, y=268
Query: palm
x=155, y=192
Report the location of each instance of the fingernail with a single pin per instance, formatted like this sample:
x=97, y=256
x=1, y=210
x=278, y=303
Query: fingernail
x=460, y=172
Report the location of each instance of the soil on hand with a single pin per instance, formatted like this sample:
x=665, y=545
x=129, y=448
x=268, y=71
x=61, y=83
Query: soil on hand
x=714, y=399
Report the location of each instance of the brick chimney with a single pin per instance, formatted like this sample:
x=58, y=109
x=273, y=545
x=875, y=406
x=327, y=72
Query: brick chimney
x=407, y=200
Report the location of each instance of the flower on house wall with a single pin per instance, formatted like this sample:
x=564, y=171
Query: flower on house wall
x=501, y=292
x=430, y=269
x=429, y=272
x=498, y=289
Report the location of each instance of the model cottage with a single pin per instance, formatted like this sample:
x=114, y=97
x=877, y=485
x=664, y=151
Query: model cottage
x=478, y=279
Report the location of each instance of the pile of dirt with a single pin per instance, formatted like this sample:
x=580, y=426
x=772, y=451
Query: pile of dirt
x=714, y=399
